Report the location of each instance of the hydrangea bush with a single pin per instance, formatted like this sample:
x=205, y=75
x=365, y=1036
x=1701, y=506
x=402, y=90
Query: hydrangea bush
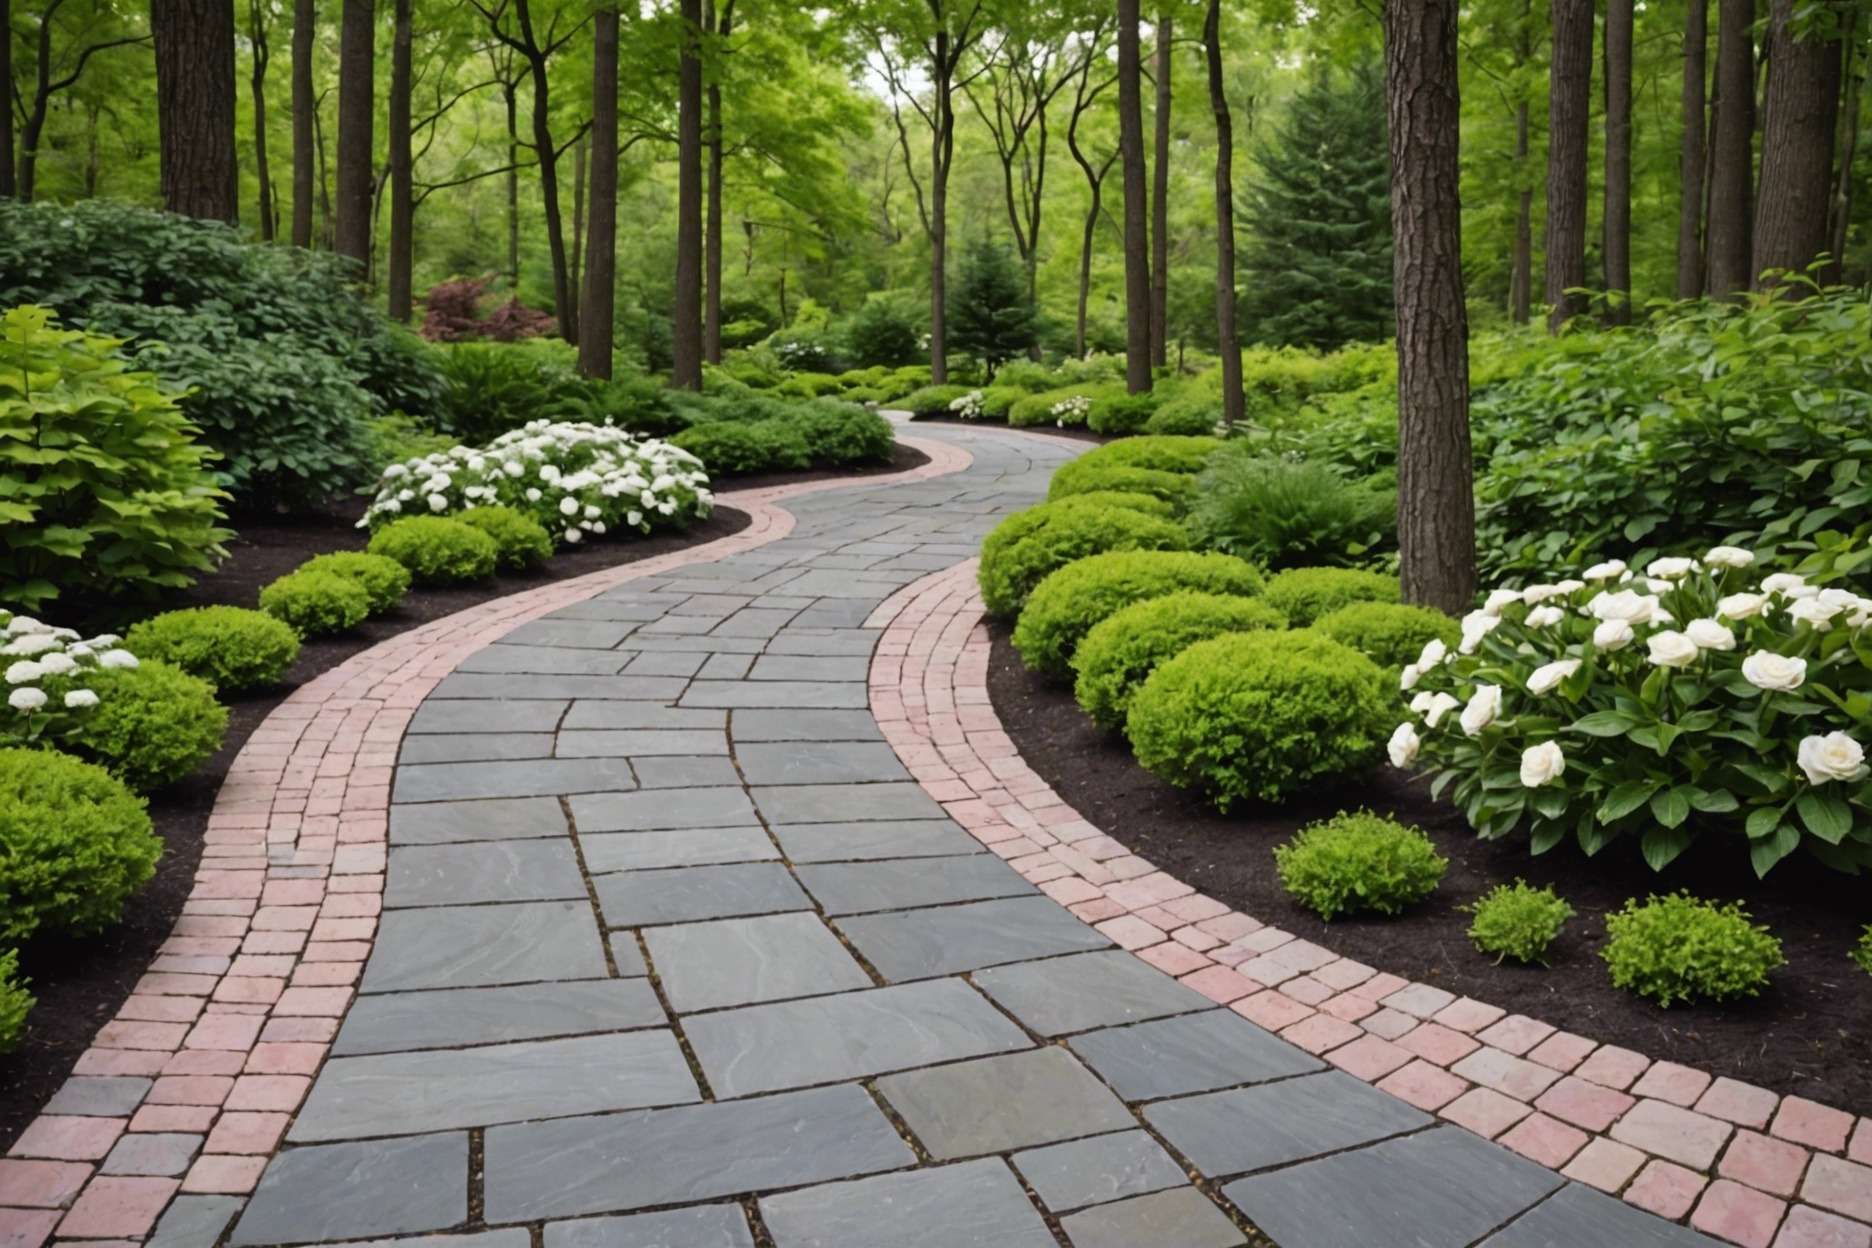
x=969, y=406
x=48, y=673
x=1694, y=697
x=574, y=479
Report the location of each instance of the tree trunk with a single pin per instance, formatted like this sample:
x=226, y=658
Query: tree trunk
x=1802, y=109
x=1616, y=226
x=1726, y=254
x=564, y=307
x=1521, y=272
x=1160, y=198
x=1226, y=344
x=510, y=97
x=326, y=231
x=1436, y=506
x=942, y=147
x=1136, y=203
x=304, y=106
x=1841, y=211
x=7, y=184
x=1085, y=269
x=195, y=106
x=597, y=316
x=402, y=171
x=688, y=300
x=576, y=257
x=712, y=231
x=1690, y=156
x=257, y=34
x=357, y=74
x=1570, y=84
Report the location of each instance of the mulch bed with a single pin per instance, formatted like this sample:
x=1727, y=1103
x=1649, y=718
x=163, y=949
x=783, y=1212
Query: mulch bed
x=1806, y=1035
x=81, y=984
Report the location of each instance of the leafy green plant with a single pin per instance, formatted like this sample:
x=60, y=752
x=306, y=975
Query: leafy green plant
x=522, y=542
x=1024, y=548
x=991, y=315
x=880, y=333
x=396, y=437
x=928, y=400
x=313, y=602
x=1391, y=634
x=1079, y=477
x=1285, y=514
x=1162, y=454
x=231, y=648
x=15, y=1001
x=104, y=489
x=1130, y=500
x=491, y=388
x=729, y=448
x=1188, y=416
x=1679, y=948
x=74, y=844
x=153, y=725
x=437, y=550
x=1114, y=659
x=1063, y=406
x=1862, y=952
x=1518, y=921
x=1259, y=715
x=1358, y=861
x=50, y=677
x=1304, y=595
x=383, y=579
x=1121, y=415
x=839, y=435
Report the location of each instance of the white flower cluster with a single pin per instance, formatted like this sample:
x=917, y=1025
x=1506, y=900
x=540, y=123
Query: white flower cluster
x=45, y=670
x=1070, y=411
x=574, y=478
x=968, y=406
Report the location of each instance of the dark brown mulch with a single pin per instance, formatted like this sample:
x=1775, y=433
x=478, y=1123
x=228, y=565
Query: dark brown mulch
x=1806, y=1035
x=1078, y=433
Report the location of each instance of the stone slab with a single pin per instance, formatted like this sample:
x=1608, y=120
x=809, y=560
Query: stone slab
x=811, y=667
x=862, y=887
x=556, y=777
x=649, y=812
x=484, y=871
x=496, y=819
x=703, y=1226
x=194, y=1221
x=688, y=894
x=472, y=687
x=1577, y=1214
x=620, y=716
x=640, y=742
x=1272, y=1124
x=400, y=1022
x=574, y=633
x=687, y=771
x=1087, y=990
x=842, y=803
x=845, y=842
x=480, y=946
x=505, y=660
x=1181, y=1218
x=1098, y=1170
x=814, y=695
x=913, y=944
x=1191, y=1053
x=819, y=762
x=357, y=1190
x=475, y=747
x=799, y=725
x=104, y=1096
x=685, y=847
x=517, y=715
x=997, y=1104
x=974, y=1205
x=704, y=966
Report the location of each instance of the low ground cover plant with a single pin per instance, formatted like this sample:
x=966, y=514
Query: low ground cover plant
x=735, y=448
x=1065, y=606
x=1518, y=921
x=231, y=648
x=313, y=602
x=50, y=677
x=1679, y=948
x=1862, y=952
x=1114, y=659
x=1030, y=544
x=1174, y=488
x=77, y=843
x=1356, y=862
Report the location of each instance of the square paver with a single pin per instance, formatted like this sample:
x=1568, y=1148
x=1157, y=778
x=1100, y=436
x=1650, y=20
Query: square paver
x=819, y=762
x=482, y=871
x=1102, y=1169
x=1272, y=1124
x=706, y=966
x=1192, y=1053
x=477, y=946
x=1577, y=1214
x=400, y=1022
x=357, y=1190
x=1087, y=990
x=1180, y=1218
x=1001, y=1103
x=704, y=1226
x=191, y=1221
x=688, y=894
x=493, y=819
x=914, y=944
x=648, y=812
x=898, y=884
x=845, y=803
x=885, y=838
x=674, y=847
x=976, y=1203
x=162, y=1153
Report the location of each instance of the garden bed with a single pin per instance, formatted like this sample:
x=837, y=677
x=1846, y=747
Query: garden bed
x=1805, y=1036
x=1078, y=433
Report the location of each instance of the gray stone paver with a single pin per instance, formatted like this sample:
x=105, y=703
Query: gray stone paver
x=973, y=1205
x=493, y=819
x=1272, y=1124
x=1097, y=1170
x=397, y=1022
x=997, y=1104
x=702, y=1226
x=690, y=894
x=706, y=966
x=1183, y=1218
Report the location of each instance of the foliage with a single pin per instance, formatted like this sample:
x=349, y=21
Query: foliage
x=1390, y=634
x=1120, y=415
x=1161, y=454
x=74, y=844
x=437, y=550
x=881, y=334
x=50, y=674
x=1080, y=477
x=521, y=540
x=104, y=489
x=1862, y=952
x=927, y=401
x=1119, y=653
x=1259, y=715
x=383, y=580
x=1069, y=602
x=231, y=648
x=1024, y=548
x=991, y=316
x=15, y=1001
x=1063, y=407
x=390, y=439
x=730, y=448
x=1518, y=921
x=1358, y=861
x=1149, y=504
x=1303, y=595
x=1286, y=514
x=489, y=389
x=153, y=724
x=1188, y=415
x=315, y=603
x=839, y=435
x=1679, y=948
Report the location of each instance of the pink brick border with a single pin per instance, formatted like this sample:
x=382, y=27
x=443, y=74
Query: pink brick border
x=235, y=1015
x=1735, y=1161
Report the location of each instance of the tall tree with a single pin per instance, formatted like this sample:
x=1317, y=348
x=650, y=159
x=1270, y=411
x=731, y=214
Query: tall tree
x=1436, y=505
x=687, y=304
x=1521, y=265
x=721, y=26
x=1164, y=64
x=1691, y=155
x=1227, y=345
x=357, y=79
x=257, y=13
x=1616, y=225
x=1569, y=86
x=1839, y=217
x=99, y=30
x=1800, y=112
x=1732, y=140
x=402, y=168
x=195, y=106
x=598, y=315
x=1085, y=93
x=1136, y=205
x=7, y=184
x=304, y=108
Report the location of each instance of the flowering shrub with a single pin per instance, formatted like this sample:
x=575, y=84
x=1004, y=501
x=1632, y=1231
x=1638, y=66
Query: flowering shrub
x=969, y=406
x=153, y=725
x=1070, y=410
x=1688, y=699
x=1678, y=948
x=575, y=479
x=49, y=673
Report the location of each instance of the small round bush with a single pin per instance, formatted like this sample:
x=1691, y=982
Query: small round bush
x=1356, y=862
x=1185, y=416
x=1078, y=477
x=1165, y=454
x=74, y=844
x=153, y=724
x=730, y=448
x=1260, y=715
x=931, y=400
x=1518, y=921
x=1121, y=415
x=15, y=1002
x=520, y=540
x=1390, y=634
x=1303, y=595
x=1862, y=952
x=385, y=581
x=437, y=549
x=1113, y=661
x=313, y=603
x=1679, y=948
x=1028, y=545
x=1063, y=608
x=1149, y=504
x=841, y=434
x=231, y=648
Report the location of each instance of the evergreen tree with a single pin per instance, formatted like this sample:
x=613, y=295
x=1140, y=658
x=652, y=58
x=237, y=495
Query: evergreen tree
x=1317, y=272
x=991, y=315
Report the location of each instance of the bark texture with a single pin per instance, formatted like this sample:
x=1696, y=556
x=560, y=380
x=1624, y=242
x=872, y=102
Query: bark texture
x=1691, y=153
x=1568, y=92
x=263, y=171
x=1800, y=113
x=7, y=185
x=1226, y=344
x=1521, y=268
x=723, y=26
x=357, y=74
x=597, y=317
x=304, y=106
x=195, y=106
x=1616, y=222
x=402, y=170
x=1160, y=195
x=1136, y=202
x=688, y=299
x=1726, y=250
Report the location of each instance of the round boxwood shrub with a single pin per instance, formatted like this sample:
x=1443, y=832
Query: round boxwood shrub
x=1063, y=608
x=1390, y=634
x=313, y=603
x=1260, y=715
x=1121, y=415
x=931, y=400
x=1078, y=477
x=1165, y=454
x=1303, y=595
x=840, y=434
x=1187, y=417
x=1358, y=861
x=437, y=549
x=153, y=724
x=1518, y=921
x=383, y=579
x=1149, y=504
x=520, y=540
x=1117, y=656
x=730, y=448
x=1680, y=948
x=1028, y=545
x=15, y=1002
x=231, y=648
x=74, y=844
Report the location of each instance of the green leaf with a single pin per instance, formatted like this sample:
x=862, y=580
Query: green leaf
x=1767, y=851
x=1825, y=815
x=1762, y=821
x=1603, y=724
x=1626, y=798
x=1662, y=845
x=1671, y=806
x=1714, y=801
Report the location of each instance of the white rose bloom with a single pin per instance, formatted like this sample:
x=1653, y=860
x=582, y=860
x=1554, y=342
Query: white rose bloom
x=1613, y=635
x=1782, y=583
x=1813, y=611
x=1475, y=626
x=119, y=659
x=1410, y=676
x=548, y=472
x=395, y=471
x=1835, y=756
x=1534, y=595
x=1840, y=599
x=597, y=527
x=1441, y=704
x=1422, y=701
x=1570, y=586
x=1775, y=673
x=437, y=503
x=391, y=506
x=1710, y=635
x=1499, y=598
x=592, y=513
x=1544, y=617
x=24, y=672
x=1672, y=568
x=80, y=699
x=1741, y=606
x=1483, y=708
x=1671, y=649
x=668, y=509
x=1624, y=604
x=56, y=664
x=81, y=650
x=1605, y=571
x=437, y=483
x=1547, y=677
x=21, y=625
x=1804, y=591
x=1659, y=585
x=26, y=698
x=106, y=639
x=1434, y=652
x=1542, y=764
x=1404, y=745
x=1729, y=557
x=512, y=467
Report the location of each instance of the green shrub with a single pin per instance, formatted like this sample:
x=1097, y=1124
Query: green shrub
x=1117, y=656
x=1121, y=415
x=106, y=490
x=841, y=434
x=1518, y=921
x=1390, y=634
x=520, y=540
x=1188, y=416
x=1079, y=477
x=15, y=1002
x=1068, y=406
x=1068, y=603
x=74, y=844
x=437, y=550
x=880, y=334
x=314, y=603
x=1130, y=500
x=231, y=648
x=1260, y=715
x=1164, y=454
x=932, y=400
x=490, y=388
x=394, y=438
x=153, y=724
x=1285, y=514
x=1303, y=595
x=1862, y=952
x=383, y=579
x=1356, y=862
x=1028, y=545
x=733, y=448
x=1678, y=948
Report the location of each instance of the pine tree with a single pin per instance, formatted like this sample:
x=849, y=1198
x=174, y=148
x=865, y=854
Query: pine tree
x=1317, y=272
x=991, y=316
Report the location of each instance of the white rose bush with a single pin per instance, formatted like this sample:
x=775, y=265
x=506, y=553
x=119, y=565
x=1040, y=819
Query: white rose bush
x=575, y=479
x=45, y=674
x=1687, y=698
